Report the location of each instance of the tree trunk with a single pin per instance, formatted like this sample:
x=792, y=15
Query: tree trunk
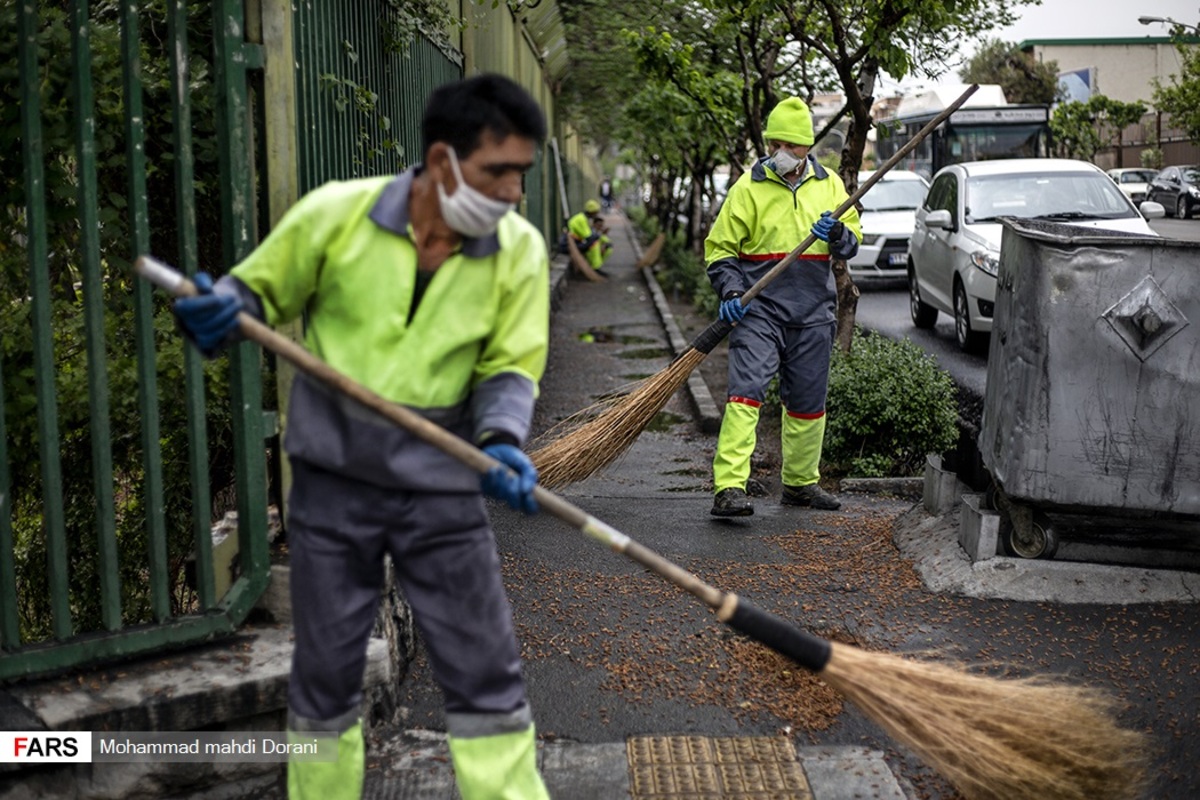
x=856, y=140
x=847, y=305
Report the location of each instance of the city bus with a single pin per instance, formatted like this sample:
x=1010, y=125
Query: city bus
x=972, y=133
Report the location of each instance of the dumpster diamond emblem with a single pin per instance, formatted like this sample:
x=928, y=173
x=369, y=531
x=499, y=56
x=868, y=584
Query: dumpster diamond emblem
x=1145, y=319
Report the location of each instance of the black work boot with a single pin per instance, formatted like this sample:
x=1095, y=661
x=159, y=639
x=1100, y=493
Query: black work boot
x=809, y=495
x=731, y=502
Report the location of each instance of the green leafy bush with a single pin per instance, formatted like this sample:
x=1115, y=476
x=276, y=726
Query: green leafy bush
x=889, y=405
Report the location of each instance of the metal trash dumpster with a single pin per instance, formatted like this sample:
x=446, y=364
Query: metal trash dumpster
x=1092, y=402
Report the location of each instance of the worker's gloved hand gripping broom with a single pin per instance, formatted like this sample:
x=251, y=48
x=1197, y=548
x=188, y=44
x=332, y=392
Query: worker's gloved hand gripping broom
x=590, y=446
x=991, y=738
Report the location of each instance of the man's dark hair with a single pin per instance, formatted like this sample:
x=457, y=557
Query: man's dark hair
x=458, y=113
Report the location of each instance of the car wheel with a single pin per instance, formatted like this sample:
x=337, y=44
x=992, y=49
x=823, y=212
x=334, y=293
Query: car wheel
x=969, y=341
x=923, y=315
x=1182, y=210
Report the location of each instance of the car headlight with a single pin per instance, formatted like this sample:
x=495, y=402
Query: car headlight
x=987, y=261
x=1194, y=191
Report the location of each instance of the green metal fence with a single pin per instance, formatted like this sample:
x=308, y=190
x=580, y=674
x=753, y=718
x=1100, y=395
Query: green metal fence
x=184, y=130
x=115, y=436
x=360, y=97
x=359, y=100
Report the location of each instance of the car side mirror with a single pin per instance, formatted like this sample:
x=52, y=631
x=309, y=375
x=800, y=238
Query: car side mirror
x=939, y=219
x=1152, y=210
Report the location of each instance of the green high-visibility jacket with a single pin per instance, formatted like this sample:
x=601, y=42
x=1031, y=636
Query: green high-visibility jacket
x=468, y=356
x=593, y=245
x=761, y=221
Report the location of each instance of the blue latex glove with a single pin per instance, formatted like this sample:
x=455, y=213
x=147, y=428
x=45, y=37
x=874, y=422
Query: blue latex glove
x=207, y=319
x=514, y=482
x=732, y=310
x=827, y=228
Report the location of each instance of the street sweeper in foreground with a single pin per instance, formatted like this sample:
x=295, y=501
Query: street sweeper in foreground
x=431, y=291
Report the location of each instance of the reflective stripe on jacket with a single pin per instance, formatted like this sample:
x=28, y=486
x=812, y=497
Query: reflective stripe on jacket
x=761, y=221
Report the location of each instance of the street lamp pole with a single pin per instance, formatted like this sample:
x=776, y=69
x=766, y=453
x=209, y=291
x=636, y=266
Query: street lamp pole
x=1168, y=21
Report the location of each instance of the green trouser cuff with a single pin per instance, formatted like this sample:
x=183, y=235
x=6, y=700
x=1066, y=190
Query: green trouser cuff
x=735, y=445
x=499, y=767
x=802, y=439
x=595, y=255
x=328, y=780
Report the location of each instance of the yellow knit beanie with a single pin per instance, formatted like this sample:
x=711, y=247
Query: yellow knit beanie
x=790, y=122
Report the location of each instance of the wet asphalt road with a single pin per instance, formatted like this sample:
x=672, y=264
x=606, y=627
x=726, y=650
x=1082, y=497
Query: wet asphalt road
x=612, y=651
x=883, y=307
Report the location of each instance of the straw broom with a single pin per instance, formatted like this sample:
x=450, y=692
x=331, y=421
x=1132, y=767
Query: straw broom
x=589, y=446
x=650, y=256
x=992, y=738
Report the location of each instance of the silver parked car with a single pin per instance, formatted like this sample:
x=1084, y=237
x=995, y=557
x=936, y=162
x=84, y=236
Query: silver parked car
x=955, y=249
x=888, y=211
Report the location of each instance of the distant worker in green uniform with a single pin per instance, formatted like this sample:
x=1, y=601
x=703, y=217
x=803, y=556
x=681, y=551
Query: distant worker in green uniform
x=431, y=290
x=788, y=328
x=590, y=233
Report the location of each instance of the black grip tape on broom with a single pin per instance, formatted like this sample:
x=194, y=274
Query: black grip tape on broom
x=711, y=336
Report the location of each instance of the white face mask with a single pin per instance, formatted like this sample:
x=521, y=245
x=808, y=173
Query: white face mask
x=783, y=162
x=470, y=211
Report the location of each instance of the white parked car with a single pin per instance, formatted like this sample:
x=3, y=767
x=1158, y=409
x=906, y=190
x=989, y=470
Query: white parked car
x=955, y=248
x=1133, y=182
x=889, y=209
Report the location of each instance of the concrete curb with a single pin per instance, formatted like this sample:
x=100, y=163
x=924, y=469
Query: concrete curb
x=708, y=416
x=560, y=269
x=901, y=487
x=932, y=543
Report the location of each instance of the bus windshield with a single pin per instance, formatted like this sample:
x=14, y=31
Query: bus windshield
x=986, y=142
x=980, y=134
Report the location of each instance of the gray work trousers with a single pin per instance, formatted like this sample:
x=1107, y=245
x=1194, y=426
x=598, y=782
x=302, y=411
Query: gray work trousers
x=760, y=347
x=447, y=568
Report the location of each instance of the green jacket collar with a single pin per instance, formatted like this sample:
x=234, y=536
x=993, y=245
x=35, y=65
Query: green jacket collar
x=390, y=212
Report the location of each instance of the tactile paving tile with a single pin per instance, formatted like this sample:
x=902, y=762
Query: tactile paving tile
x=715, y=768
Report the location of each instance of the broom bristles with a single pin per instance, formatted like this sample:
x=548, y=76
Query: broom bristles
x=652, y=252
x=594, y=445
x=993, y=738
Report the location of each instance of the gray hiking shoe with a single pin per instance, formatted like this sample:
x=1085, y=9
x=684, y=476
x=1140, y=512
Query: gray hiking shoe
x=731, y=502
x=809, y=495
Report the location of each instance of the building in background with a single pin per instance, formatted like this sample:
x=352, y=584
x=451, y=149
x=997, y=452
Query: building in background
x=1122, y=69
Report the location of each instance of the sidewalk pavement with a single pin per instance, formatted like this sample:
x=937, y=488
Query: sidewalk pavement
x=631, y=308
x=418, y=768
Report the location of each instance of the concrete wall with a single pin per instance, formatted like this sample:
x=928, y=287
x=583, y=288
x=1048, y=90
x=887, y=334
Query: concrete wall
x=1124, y=69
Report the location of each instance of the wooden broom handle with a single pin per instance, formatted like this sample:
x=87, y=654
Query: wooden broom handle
x=256, y=331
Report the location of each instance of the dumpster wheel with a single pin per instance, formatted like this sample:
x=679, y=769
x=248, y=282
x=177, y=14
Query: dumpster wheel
x=1024, y=532
x=1035, y=540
